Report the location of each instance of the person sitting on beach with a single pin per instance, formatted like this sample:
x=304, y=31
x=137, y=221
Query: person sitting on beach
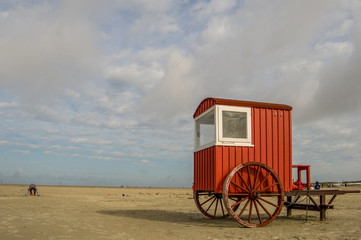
x=32, y=189
x=317, y=186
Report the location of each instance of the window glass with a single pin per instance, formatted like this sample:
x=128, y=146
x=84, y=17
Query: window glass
x=234, y=124
x=205, y=129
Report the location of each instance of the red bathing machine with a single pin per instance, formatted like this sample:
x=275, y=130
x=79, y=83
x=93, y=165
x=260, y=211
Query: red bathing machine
x=243, y=162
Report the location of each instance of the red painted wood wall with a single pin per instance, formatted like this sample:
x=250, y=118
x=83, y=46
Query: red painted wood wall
x=271, y=137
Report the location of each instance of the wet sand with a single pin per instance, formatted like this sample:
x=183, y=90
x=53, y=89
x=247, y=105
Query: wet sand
x=151, y=213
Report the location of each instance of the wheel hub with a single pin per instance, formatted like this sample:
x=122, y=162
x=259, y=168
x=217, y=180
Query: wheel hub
x=254, y=195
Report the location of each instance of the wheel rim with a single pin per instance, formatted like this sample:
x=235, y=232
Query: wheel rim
x=211, y=205
x=253, y=194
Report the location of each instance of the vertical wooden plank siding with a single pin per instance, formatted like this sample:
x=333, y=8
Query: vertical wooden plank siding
x=272, y=140
x=257, y=135
x=204, y=169
x=219, y=170
x=275, y=140
x=269, y=133
x=263, y=136
x=225, y=163
x=281, y=160
x=249, y=153
x=288, y=148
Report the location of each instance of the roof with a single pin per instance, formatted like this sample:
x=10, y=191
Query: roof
x=209, y=102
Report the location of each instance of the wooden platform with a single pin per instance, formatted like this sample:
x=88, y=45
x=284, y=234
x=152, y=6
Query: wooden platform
x=293, y=200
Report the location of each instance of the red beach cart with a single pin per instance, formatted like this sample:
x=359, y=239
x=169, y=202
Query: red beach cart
x=243, y=163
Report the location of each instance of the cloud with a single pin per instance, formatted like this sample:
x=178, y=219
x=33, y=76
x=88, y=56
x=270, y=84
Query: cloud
x=118, y=153
x=204, y=9
x=340, y=86
x=45, y=113
x=25, y=152
x=135, y=75
x=3, y=143
x=154, y=23
x=19, y=144
x=170, y=96
x=60, y=49
x=146, y=162
x=90, y=141
x=8, y=105
x=330, y=50
x=120, y=81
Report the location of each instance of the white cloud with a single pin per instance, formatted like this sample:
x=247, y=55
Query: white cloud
x=135, y=75
x=64, y=148
x=104, y=158
x=19, y=144
x=90, y=141
x=146, y=162
x=172, y=94
x=342, y=30
x=8, y=104
x=4, y=14
x=154, y=24
x=118, y=153
x=331, y=50
x=3, y=143
x=204, y=9
x=22, y=151
x=144, y=6
x=46, y=113
x=59, y=50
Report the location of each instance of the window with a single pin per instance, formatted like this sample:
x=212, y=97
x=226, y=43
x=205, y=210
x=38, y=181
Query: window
x=205, y=130
x=223, y=125
x=234, y=125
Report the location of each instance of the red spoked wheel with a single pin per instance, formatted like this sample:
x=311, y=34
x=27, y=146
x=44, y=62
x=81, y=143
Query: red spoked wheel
x=211, y=205
x=258, y=192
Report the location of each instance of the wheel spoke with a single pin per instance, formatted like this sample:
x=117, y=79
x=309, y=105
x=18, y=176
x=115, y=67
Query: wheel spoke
x=260, y=184
x=210, y=205
x=250, y=212
x=275, y=184
x=249, y=190
x=215, y=209
x=235, y=184
x=244, y=208
x=255, y=179
x=265, y=209
x=220, y=201
x=249, y=177
x=271, y=203
x=239, y=202
x=259, y=216
x=208, y=200
x=235, y=198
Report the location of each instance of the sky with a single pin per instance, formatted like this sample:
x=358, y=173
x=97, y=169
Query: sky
x=102, y=93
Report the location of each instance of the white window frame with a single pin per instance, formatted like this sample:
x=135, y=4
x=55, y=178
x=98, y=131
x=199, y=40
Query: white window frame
x=212, y=143
x=218, y=128
x=233, y=141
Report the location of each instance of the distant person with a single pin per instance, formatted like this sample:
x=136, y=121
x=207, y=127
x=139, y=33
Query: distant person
x=33, y=190
x=317, y=186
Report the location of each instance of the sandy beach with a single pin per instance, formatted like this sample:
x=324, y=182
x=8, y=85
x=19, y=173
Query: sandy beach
x=62, y=212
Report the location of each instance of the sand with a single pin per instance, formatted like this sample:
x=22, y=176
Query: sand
x=151, y=213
